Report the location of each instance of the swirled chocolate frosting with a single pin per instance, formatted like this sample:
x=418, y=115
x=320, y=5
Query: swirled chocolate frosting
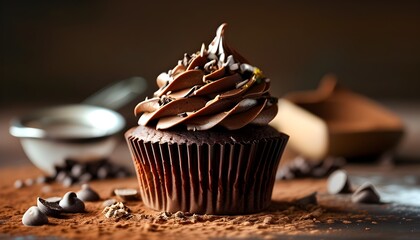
x=213, y=87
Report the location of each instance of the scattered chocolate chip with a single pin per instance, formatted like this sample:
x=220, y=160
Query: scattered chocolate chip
x=85, y=177
x=61, y=176
x=18, y=184
x=53, y=199
x=366, y=193
x=127, y=194
x=338, y=182
x=104, y=172
x=29, y=182
x=77, y=170
x=46, y=189
x=34, y=217
x=68, y=181
x=121, y=174
x=57, y=170
x=71, y=203
x=284, y=173
x=92, y=167
x=43, y=179
x=82, y=172
x=300, y=167
x=309, y=199
x=69, y=163
x=87, y=194
x=52, y=209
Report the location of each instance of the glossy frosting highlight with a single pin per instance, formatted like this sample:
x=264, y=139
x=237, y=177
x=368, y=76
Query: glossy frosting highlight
x=213, y=87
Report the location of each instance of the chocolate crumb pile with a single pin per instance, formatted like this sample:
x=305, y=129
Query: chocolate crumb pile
x=282, y=218
x=299, y=207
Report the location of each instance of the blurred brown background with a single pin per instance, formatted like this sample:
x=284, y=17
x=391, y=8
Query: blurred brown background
x=62, y=51
x=65, y=50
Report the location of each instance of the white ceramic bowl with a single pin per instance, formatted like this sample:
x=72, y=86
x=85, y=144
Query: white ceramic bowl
x=80, y=132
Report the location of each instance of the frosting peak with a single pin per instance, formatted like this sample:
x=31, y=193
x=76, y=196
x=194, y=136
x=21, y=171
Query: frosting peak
x=215, y=86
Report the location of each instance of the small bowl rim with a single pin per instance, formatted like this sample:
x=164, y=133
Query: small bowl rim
x=18, y=125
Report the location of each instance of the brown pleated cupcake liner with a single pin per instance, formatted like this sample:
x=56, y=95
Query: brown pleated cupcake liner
x=207, y=179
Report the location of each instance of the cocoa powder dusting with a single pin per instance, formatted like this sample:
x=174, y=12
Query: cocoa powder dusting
x=283, y=217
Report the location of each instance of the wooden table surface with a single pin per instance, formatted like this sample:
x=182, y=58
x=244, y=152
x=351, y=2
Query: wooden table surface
x=397, y=218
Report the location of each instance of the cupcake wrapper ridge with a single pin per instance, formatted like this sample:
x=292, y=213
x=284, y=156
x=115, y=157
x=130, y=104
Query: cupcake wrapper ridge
x=230, y=178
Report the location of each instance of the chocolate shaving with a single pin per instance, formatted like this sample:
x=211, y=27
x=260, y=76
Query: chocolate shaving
x=240, y=84
x=208, y=66
x=186, y=60
x=165, y=100
x=183, y=114
x=192, y=90
x=246, y=68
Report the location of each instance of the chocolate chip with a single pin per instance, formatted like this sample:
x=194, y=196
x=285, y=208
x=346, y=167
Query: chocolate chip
x=69, y=163
x=309, y=199
x=319, y=172
x=121, y=174
x=104, y=172
x=49, y=208
x=43, y=179
x=87, y=194
x=53, y=199
x=93, y=167
x=77, y=170
x=71, y=203
x=338, y=182
x=29, y=182
x=366, y=193
x=68, y=181
x=127, y=194
x=61, y=176
x=300, y=167
x=85, y=177
x=46, y=189
x=34, y=217
x=284, y=173
x=18, y=184
x=330, y=164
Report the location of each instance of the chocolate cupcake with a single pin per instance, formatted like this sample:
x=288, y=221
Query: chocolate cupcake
x=203, y=144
